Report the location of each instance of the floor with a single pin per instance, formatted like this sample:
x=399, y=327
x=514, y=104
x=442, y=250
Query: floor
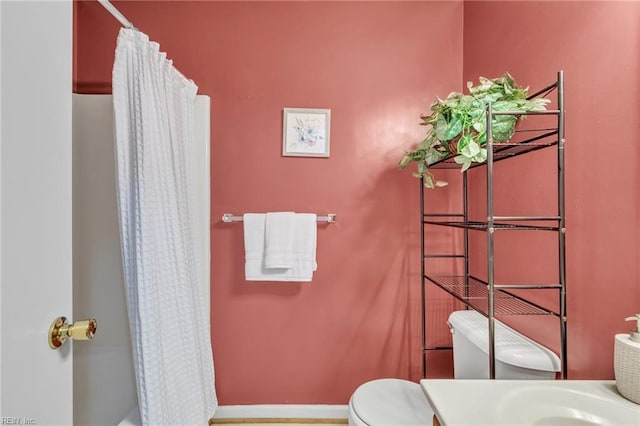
x=278, y=422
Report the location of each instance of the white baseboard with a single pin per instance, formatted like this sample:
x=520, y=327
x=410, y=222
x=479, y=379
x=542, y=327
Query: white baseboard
x=283, y=411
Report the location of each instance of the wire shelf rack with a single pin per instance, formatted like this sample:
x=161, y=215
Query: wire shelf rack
x=475, y=294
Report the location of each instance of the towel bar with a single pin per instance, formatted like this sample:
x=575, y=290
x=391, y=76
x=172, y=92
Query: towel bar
x=229, y=217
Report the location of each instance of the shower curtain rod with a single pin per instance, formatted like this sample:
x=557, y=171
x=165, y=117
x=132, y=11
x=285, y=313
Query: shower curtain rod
x=116, y=14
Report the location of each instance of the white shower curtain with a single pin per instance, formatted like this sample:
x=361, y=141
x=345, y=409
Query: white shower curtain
x=168, y=313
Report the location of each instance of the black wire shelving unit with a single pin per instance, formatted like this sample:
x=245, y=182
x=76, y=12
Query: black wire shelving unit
x=486, y=296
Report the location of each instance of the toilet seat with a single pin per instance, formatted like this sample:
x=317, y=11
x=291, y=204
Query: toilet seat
x=389, y=402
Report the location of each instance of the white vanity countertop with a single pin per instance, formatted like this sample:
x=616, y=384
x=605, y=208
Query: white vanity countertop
x=529, y=402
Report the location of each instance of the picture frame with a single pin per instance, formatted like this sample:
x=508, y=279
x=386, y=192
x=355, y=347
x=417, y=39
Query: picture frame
x=306, y=132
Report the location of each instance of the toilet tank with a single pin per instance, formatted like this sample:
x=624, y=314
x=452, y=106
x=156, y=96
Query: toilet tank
x=517, y=357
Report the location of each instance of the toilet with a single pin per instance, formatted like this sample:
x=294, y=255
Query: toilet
x=517, y=356
x=389, y=402
x=398, y=402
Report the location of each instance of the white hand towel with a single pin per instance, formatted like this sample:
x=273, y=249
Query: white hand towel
x=278, y=240
x=254, y=224
x=305, y=242
x=304, y=249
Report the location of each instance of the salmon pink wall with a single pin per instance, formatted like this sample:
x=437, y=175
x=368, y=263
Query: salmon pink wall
x=377, y=66
x=597, y=44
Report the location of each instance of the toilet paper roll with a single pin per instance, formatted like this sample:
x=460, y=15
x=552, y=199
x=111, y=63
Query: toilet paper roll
x=627, y=367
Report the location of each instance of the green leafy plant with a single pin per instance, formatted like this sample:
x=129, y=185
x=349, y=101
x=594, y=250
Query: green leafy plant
x=458, y=125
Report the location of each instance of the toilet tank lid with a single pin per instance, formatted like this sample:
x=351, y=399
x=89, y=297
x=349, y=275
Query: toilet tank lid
x=511, y=347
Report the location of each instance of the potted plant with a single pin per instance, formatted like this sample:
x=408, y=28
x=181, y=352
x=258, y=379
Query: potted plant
x=458, y=125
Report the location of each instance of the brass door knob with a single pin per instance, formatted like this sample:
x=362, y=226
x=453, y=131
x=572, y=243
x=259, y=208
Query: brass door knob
x=61, y=330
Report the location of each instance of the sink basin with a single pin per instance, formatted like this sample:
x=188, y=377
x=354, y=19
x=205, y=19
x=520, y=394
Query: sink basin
x=549, y=405
x=529, y=402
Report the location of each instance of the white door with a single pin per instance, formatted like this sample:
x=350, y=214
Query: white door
x=35, y=210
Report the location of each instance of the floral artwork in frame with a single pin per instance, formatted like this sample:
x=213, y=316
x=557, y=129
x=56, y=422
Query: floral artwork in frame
x=306, y=132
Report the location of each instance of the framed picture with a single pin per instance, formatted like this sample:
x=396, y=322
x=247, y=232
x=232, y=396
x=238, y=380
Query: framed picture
x=306, y=132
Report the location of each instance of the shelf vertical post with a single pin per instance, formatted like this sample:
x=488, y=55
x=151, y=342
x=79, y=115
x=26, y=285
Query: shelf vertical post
x=562, y=229
x=422, y=280
x=490, y=244
x=465, y=210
